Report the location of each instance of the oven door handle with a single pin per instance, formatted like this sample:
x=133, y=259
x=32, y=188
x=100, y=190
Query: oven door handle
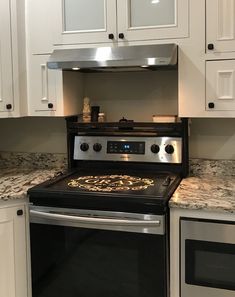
x=153, y=226
x=90, y=220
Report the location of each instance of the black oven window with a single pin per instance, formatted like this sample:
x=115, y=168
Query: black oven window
x=75, y=262
x=210, y=264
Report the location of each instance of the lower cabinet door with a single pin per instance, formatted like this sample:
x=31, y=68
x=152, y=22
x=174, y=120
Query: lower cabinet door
x=45, y=88
x=220, y=85
x=13, y=268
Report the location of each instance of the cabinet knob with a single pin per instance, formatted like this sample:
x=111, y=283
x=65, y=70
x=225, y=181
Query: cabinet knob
x=111, y=36
x=50, y=105
x=19, y=212
x=211, y=105
x=121, y=35
x=210, y=46
x=8, y=106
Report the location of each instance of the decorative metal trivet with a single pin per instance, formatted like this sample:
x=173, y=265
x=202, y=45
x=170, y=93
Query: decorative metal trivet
x=111, y=183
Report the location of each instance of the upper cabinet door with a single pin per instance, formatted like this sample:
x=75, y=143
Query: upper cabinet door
x=42, y=19
x=152, y=19
x=44, y=87
x=220, y=22
x=6, y=75
x=220, y=85
x=87, y=21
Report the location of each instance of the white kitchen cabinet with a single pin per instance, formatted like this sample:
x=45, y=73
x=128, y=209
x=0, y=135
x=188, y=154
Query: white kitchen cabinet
x=206, y=80
x=152, y=19
x=70, y=22
x=86, y=21
x=13, y=268
x=220, y=85
x=12, y=58
x=42, y=18
x=44, y=86
x=49, y=92
x=122, y=20
x=220, y=26
x=48, y=95
x=6, y=74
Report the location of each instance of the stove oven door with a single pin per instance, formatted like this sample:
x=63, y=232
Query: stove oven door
x=97, y=254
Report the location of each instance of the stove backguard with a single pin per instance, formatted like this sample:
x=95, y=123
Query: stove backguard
x=157, y=146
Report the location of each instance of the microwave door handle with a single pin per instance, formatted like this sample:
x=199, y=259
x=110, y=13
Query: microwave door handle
x=89, y=220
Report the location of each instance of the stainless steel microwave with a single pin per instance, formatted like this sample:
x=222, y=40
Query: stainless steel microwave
x=207, y=258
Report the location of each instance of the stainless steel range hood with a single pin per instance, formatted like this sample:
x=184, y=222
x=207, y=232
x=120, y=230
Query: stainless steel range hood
x=115, y=59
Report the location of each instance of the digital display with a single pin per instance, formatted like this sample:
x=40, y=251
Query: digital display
x=123, y=147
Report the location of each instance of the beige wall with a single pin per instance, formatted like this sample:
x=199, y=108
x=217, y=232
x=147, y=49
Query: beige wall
x=133, y=95
x=213, y=138
x=210, y=138
x=33, y=135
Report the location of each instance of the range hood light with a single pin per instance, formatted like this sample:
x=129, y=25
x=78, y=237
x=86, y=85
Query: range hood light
x=144, y=66
x=75, y=68
x=103, y=54
x=151, y=61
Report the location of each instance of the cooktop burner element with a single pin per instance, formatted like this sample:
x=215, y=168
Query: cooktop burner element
x=111, y=183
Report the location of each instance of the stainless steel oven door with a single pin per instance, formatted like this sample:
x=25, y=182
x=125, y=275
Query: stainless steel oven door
x=97, y=254
x=207, y=258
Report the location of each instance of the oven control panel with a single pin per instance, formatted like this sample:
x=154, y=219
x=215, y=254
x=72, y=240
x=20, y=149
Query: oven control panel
x=133, y=149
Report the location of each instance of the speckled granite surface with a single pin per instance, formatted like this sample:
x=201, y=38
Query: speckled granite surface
x=21, y=171
x=218, y=168
x=14, y=183
x=32, y=160
x=210, y=186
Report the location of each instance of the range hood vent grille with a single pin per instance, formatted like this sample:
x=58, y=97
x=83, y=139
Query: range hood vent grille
x=115, y=59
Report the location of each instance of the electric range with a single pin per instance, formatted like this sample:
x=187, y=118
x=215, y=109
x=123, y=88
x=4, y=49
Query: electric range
x=105, y=221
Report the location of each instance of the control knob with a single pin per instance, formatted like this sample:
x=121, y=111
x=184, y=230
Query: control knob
x=97, y=147
x=169, y=149
x=84, y=147
x=155, y=148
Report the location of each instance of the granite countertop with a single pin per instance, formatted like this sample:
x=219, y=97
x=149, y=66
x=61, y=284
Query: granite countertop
x=21, y=171
x=14, y=182
x=210, y=187
x=205, y=192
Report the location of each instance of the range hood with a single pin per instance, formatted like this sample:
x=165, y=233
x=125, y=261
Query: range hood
x=115, y=59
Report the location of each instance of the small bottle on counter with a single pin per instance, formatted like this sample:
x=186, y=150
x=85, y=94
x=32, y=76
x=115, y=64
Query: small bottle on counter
x=95, y=113
x=101, y=117
x=86, y=112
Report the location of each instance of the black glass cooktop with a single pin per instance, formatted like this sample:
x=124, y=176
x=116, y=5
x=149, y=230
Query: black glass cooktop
x=113, y=184
x=107, y=188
